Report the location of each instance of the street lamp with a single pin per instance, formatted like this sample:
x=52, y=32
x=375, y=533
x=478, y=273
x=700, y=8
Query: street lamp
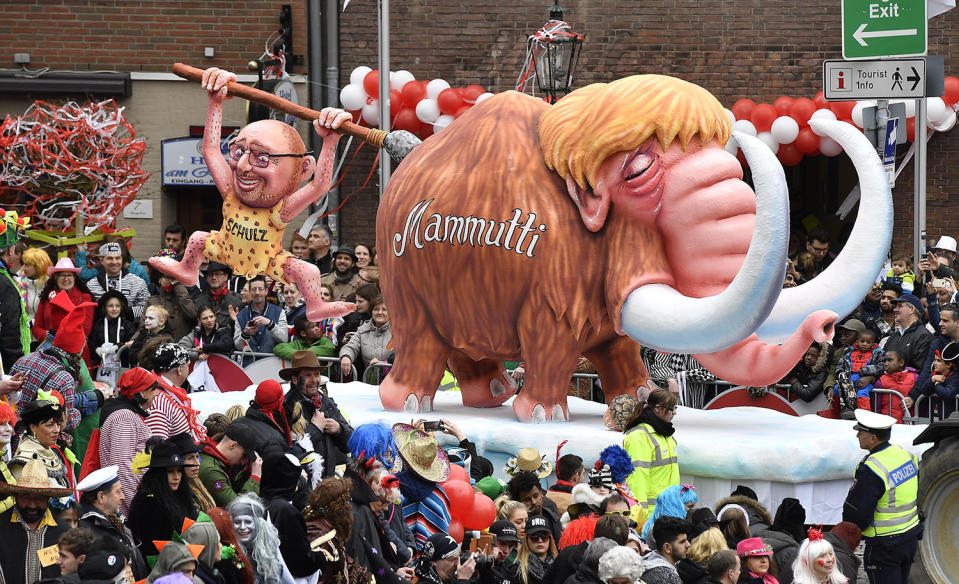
x=551, y=53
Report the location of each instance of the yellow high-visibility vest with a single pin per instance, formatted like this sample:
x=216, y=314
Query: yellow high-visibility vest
x=655, y=462
x=897, y=510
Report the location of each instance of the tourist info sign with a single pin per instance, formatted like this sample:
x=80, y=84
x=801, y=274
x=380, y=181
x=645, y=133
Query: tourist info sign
x=883, y=28
x=886, y=79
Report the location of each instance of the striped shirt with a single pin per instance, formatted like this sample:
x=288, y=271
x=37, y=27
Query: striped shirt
x=123, y=434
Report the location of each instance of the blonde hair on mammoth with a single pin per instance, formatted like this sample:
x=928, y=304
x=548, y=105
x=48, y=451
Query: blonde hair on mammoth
x=579, y=132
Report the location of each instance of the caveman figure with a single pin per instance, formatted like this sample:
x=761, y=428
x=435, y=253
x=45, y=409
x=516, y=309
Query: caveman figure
x=258, y=181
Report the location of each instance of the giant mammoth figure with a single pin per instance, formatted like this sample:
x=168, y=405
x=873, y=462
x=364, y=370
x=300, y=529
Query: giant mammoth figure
x=611, y=219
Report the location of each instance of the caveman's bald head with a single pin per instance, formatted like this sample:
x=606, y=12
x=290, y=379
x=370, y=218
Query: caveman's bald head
x=291, y=142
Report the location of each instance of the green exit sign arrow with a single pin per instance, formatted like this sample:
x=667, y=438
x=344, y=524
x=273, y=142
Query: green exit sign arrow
x=883, y=28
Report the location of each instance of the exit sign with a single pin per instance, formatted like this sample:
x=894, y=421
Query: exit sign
x=883, y=28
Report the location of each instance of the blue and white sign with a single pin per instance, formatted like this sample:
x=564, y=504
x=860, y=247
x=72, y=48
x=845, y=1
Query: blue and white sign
x=889, y=150
x=182, y=162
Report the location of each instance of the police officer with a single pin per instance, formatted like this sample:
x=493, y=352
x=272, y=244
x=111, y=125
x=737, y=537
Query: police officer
x=883, y=501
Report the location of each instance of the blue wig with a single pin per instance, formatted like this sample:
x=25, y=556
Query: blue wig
x=373, y=441
x=672, y=503
x=619, y=461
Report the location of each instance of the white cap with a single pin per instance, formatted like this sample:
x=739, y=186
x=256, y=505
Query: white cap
x=870, y=421
x=947, y=243
x=100, y=478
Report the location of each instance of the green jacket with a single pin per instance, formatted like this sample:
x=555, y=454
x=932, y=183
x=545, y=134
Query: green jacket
x=322, y=347
x=215, y=477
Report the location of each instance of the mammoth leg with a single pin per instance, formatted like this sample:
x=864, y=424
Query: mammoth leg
x=483, y=383
x=619, y=365
x=551, y=363
x=419, y=364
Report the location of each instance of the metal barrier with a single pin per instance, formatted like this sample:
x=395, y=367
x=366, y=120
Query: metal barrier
x=334, y=373
x=935, y=409
x=893, y=395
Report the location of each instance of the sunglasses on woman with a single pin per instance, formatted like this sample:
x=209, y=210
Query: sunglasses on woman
x=542, y=536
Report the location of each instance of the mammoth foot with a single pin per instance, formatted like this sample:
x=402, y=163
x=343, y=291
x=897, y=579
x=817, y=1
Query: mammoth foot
x=531, y=410
x=396, y=399
x=498, y=390
x=176, y=270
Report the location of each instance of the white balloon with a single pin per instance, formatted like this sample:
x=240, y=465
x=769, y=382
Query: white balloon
x=371, y=112
x=729, y=112
x=935, y=108
x=435, y=87
x=857, y=110
x=359, y=74
x=427, y=111
x=484, y=97
x=768, y=139
x=353, y=96
x=400, y=78
x=784, y=129
x=441, y=122
x=745, y=126
x=829, y=147
x=946, y=124
x=822, y=114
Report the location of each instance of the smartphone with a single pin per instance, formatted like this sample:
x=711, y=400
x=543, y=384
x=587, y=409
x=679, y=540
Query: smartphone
x=432, y=426
x=940, y=283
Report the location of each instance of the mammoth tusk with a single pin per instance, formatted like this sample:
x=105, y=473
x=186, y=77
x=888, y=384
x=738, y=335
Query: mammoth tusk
x=842, y=286
x=658, y=316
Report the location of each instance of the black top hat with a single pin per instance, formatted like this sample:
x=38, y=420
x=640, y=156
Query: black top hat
x=184, y=443
x=164, y=455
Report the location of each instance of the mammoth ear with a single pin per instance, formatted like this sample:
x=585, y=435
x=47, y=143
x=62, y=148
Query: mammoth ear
x=592, y=206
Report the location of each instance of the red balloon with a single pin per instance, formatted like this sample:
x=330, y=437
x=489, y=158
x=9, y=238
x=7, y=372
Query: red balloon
x=471, y=92
x=802, y=109
x=763, y=116
x=782, y=105
x=789, y=155
x=412, y=93
x=458, y=473
x=449, y=101
x=406, y=120
x=951, y=94
x=357, y=115
x=820, y=101
x=842, y=109
x=460, y=495
x=455, y=530
x=481, y=514
x=462, y=110
x=911, y=129
x=426, y=130
x=396, y=100
x=371, y=83
x=742, y=108
x=807, y=142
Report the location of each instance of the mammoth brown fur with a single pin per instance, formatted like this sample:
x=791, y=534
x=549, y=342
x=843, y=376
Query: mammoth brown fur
x=543, y=295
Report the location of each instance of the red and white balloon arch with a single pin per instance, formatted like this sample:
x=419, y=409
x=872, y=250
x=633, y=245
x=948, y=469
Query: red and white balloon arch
x=425, y=107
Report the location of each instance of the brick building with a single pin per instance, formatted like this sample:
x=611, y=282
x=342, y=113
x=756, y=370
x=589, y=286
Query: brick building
x=759, y=49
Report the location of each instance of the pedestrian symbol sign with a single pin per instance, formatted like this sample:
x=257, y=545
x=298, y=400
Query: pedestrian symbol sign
x=883, y=28
x=885, y=79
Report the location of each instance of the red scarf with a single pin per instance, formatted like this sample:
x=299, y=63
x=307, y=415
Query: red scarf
x=217, y=294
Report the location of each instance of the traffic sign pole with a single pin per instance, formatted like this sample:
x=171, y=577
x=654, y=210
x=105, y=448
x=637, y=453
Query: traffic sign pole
x=919, y=190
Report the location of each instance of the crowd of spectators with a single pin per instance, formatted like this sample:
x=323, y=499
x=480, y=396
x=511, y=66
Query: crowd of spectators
x=123, y=481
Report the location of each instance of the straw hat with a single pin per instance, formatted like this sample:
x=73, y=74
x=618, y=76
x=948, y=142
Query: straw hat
x=421, y=453
x=33, y=481
x=529, y=459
